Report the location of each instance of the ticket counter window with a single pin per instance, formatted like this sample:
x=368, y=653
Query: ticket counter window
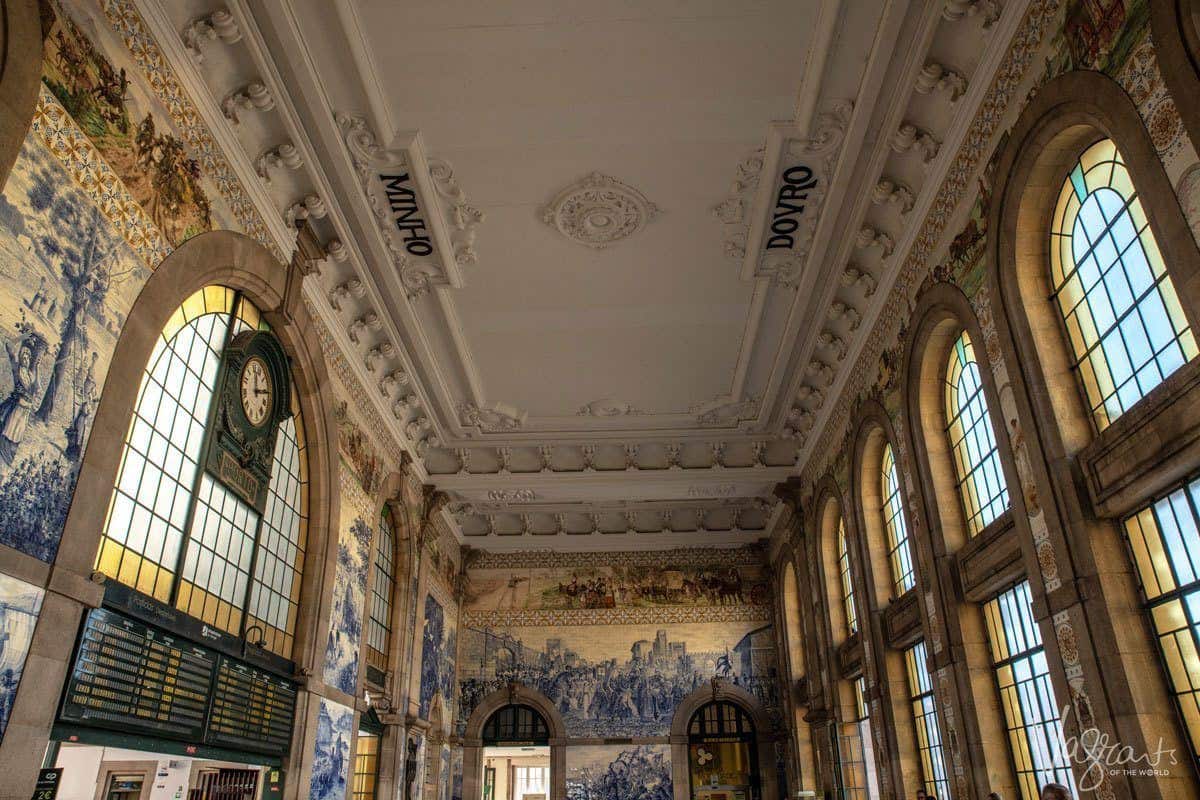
x=125, y=787
x=722, y=754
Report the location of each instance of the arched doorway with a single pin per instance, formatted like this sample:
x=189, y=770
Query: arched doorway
x=513, y=746
x=723, y=753
x=723, y=746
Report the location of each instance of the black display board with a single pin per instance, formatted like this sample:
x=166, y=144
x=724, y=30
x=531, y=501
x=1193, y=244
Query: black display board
x=129, y=676
x=251, y=709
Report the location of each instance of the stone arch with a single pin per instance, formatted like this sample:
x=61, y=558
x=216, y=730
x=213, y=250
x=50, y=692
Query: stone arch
x=230, y=259
x=828, y=508
x=472, y=740
x=20, y=76
x=942, y=313
x=1068, y=114
x=898, y=757
x=872, y=433
x=797, y=672
x=723, y=691
x=1157, y=443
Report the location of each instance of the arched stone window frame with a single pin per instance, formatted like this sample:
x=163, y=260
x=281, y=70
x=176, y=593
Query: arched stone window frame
x=722, y=691
x=233, y=260
x=794, y=639
x=982, y=565
x=20, y=76
x=898, y=757
x=472, y=740
x=1082, y=481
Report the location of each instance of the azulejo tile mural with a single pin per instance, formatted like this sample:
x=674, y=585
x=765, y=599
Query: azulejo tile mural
x=605, y=586
x=19, y=607
x=617, y=680
x=331, y=751
x=439, y=646
x=619, y=773
x=70, y=279
x=349, y=587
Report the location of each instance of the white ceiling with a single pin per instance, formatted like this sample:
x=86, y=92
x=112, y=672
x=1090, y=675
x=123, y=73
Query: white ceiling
x=704, y=370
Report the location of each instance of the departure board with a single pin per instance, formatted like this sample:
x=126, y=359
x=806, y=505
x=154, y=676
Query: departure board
x=130, y=676
x=251, y=709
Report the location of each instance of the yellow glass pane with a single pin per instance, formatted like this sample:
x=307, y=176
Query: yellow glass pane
x=1169, y=617
x=1104, y=150
x=1122, y=182
x=1153, y=256
x=195, y=306
x=130, y=563
x=109, y=559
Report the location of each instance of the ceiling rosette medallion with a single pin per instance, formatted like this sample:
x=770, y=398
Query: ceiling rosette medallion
x=599, y=211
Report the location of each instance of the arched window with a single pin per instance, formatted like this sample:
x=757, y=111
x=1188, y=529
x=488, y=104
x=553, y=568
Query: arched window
x=516, y=723
x=174, y=532
x=899, y=552
x=379, y=623
x=722, y=750
x=847, y=584
x=981, y=483
x=1126, y=328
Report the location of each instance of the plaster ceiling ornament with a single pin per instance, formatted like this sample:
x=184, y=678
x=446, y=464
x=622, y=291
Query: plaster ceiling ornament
x=869, y=237
x=811, y=394
x=511, y=495
x=497, y=419
x=420, y=269
x=308, y=207
x=724, y=411
x=220, y=24
x=732, y=211
x=888, y=191
x=281, y=156
x=464, y=217
x=987, y=10
x=607, y=407
x=344, y=291
x=934, y=76
x=811, y=162
x=404, y=405
x=599, y=211
x=852, y=276
x=910, y=137
x=253, y=97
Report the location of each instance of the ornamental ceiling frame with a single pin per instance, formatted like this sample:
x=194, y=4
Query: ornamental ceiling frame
x=751, y=442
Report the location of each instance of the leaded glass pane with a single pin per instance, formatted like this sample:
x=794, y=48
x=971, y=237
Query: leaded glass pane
x=847, y=584
x=379, y=622
x=924, y=710
x=1125, y=327
x=1165, y=540
x=147, y=514
x=899, y=552
x=981, y=483
x=1030, y=710
x=366, y=766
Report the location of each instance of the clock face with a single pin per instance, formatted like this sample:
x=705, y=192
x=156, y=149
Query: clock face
x=257, y=392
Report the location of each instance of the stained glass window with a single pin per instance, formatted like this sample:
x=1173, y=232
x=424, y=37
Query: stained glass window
x=847, y=584
x=174, y=533
x=379, y=623
x=1165, y=540
x=924, y=710
x=899, y=552
x=366, y=766
x=1030, y=709
x=1126, y=328
x=981, y=483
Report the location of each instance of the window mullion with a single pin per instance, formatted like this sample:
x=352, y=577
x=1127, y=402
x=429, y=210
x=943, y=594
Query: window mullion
x=200, y=471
